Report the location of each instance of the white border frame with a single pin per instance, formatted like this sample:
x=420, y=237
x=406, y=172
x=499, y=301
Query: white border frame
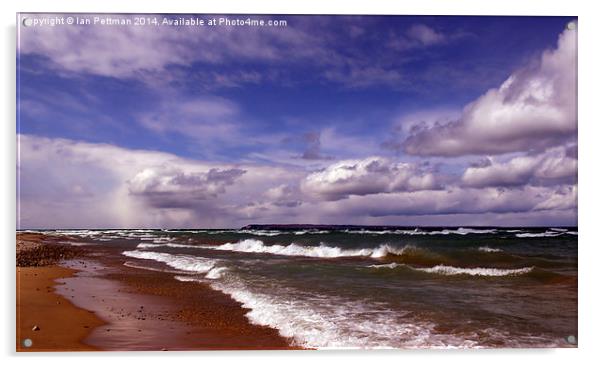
x=589, y=175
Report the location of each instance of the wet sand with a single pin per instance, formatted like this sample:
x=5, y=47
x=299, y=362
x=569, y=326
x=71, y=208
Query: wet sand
x=147, y=310
x=100, y=304
x=46, y=318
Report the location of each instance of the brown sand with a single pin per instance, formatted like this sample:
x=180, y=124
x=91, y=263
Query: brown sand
x=209, y=319
x=61, y=326
x=123, y=308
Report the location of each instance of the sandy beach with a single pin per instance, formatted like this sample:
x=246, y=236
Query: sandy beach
x=50, y=321
x=71, y=299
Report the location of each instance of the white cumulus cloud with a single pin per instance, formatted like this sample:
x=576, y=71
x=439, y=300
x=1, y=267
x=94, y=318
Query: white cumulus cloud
x=552, y=167
x=533, y=109
x=367, y=176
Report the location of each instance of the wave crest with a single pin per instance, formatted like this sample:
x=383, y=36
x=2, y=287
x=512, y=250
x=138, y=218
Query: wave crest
x=180, y=262
x=489, y=249
x=293, y=249
x=477, y=271
x=173, y=245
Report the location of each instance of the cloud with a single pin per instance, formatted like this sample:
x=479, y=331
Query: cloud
x=358, y=75
x=551, y=167
x=533, y=109
x=92, y=185
x=202, y=117
x=107, y=51
x=101, y=185
x=286, y=195
x=421, y=36
x=136, y=52
x=458, y=201
x=175, y=188
x=164, y=55
x=364, y=177
x=425, y=34
x=409, y=123
x=313, y=150
x=213, y=127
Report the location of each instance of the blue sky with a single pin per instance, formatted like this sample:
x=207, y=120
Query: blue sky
x=221, y=127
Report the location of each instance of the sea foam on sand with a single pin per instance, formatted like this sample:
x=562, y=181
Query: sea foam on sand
x=181, y=262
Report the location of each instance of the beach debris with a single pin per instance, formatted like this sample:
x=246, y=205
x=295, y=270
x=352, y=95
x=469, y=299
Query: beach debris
x=35, y=328
x=42, y=250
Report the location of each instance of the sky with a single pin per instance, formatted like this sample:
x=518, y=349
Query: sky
x=375, y=120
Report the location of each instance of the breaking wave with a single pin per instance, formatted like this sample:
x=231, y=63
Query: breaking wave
x=330, y=322
x=293, y=249
x=541, y=234
x=418, y=232
x=477, y=271
x=181, y=262
x=155, y=245
x=553, y=232
x=392, y=265
x=489, y=249
x=452, y=270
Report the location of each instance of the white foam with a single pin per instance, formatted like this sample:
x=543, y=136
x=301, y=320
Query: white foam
x=272, y=233
x=143, y=267
x=185, y=230
x=385, y=266
x=323, y=321
x=327, y=322
x=149, y=245
x=163, y=239
x=489, y=249
x=78, y=244
x=464, y=231
x=187, y=278
x=542, y=234
x=323, y=251
x=477, y=271
x=180, y=262
x=261, y=232
x=552, y=232
x=79, y=233
x=417, y=232
x=299, y=233
x=216, y=273
x=173, y=245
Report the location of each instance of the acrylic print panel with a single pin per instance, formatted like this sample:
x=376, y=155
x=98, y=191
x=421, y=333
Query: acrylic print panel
x=212, y=182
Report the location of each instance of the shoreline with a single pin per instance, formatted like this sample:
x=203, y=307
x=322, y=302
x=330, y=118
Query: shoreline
x=149, y=310
x=48, y=319
x=112, y=307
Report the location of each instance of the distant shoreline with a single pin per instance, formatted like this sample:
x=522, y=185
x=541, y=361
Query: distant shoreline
x=299, y=226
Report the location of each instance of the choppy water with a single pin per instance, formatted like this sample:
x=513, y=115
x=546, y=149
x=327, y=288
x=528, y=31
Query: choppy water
x=389, y=287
